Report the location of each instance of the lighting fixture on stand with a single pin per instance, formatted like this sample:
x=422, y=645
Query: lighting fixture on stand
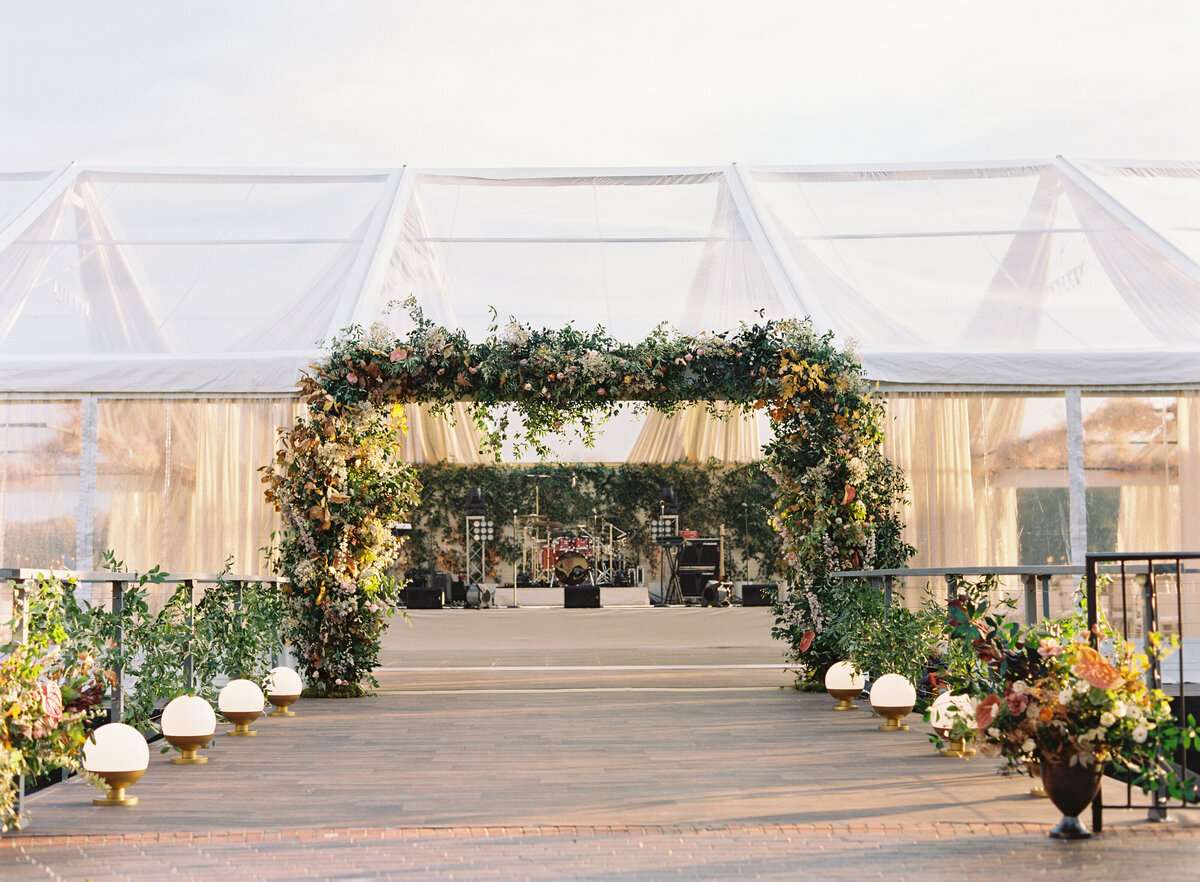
x=188, y=723
x=283, y=690
x=119, y=755
x=845, y=683
x=893, y=698
x=241, y=702
x=945, y=711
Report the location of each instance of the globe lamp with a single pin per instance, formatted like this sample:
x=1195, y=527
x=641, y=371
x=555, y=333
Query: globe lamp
x=283, y=688
x=845, y=683
x=240, y=702
x=893, y=698
x=945, y=711
x=188, y=722
x=119, y=755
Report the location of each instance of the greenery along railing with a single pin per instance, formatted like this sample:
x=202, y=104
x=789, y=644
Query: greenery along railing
x=134, y=646
x=1032, y=578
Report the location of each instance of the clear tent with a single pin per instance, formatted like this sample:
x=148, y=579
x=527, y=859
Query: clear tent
x=1034, y=325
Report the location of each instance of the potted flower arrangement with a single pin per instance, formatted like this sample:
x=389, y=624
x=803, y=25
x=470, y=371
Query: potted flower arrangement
x=1046, y=694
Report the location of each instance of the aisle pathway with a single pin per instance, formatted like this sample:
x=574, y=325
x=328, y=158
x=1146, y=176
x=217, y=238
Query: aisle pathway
x=663, y=763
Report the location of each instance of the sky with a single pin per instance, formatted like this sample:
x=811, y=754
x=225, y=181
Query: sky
x=569, y=83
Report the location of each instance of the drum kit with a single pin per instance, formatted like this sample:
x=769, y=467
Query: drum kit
x=591, y=553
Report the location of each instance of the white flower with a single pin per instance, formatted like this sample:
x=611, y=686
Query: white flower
x=1027, y=746
x=1064, y=697
x=993, y=732
x=1140, y=734
x=1107, y=720
x=1019, y=687
x=1081, y=686
x=1119, y=709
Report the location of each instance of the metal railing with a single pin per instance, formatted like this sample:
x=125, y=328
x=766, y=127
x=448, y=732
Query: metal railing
x=1032, y=579
x=1141, y=619
x=20, y=578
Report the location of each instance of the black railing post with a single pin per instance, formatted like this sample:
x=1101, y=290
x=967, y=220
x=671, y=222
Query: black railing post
x=1045, y=580
x=20, y=635
x=189, y=660
x=1158, y=806
x=1092, y=618
x=1030, y=580
x=116, y=709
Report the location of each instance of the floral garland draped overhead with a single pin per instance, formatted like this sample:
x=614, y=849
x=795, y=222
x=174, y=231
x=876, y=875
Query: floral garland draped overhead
x=338, y=482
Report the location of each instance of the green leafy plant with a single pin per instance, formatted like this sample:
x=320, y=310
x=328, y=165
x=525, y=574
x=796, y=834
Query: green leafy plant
x=49, y=689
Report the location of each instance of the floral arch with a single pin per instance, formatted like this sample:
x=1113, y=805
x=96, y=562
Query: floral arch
x=338, y=483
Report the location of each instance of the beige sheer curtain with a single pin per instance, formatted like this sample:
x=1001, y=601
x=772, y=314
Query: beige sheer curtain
x=957, y=513
x=1148, y=518
x=434, y=439
x=181, y=480
x=929, y=437
x=693, y=435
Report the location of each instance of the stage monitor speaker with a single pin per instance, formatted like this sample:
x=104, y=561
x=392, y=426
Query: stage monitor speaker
x=758, y=594
x=420, y=597
x=581, y=597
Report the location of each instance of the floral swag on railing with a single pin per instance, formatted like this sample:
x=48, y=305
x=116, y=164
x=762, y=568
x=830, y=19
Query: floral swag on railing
x=338, y=482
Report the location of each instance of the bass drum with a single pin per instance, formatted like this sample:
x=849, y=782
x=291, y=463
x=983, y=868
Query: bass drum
x=572, y=568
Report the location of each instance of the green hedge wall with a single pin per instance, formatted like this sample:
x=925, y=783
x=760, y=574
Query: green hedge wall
x=738, y=496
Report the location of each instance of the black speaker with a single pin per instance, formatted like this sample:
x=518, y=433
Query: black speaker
x=420, y=597
x=581, y=597
x=758, y=595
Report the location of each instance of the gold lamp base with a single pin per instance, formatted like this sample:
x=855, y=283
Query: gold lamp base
x=117, y=782
x=281, y=704
x=241, y=721
x=188, y=745
x=189, y=758
x=845, y=698
x=1035, y=772
x=958, y=748
x=893, y=715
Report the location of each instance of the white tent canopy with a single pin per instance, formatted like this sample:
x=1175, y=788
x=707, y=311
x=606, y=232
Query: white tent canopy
x=1036, y=326
x=1003, y=275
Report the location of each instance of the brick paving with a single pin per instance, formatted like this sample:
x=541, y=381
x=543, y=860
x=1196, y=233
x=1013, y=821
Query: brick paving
x=470, y=765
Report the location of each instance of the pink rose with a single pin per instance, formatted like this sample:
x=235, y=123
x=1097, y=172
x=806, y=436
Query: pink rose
x=1016, y=703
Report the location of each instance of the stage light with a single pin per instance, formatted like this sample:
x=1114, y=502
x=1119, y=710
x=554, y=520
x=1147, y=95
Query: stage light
x=476, y=503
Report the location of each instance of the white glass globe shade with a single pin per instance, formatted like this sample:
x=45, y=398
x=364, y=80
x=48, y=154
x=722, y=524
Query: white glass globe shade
x=187, y=716
x=939, y=712
x=948, y=709
x=241, y=696
x=284, y=681
x=844, y=676
x=115, y=747
x=893, y=690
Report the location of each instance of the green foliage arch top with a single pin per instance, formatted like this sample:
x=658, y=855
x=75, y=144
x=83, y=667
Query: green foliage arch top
x=338, y=483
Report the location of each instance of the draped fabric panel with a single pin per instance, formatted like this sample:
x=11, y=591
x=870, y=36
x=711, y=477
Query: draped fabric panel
x=929, y=437
x=179, y=484
x=435, y=439
x=693, y=435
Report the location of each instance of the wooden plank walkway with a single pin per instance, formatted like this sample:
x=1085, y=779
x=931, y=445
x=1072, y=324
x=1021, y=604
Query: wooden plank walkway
x=476, y=764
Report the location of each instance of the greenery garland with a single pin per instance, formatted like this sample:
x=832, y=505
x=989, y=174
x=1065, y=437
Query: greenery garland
x=338, y=481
